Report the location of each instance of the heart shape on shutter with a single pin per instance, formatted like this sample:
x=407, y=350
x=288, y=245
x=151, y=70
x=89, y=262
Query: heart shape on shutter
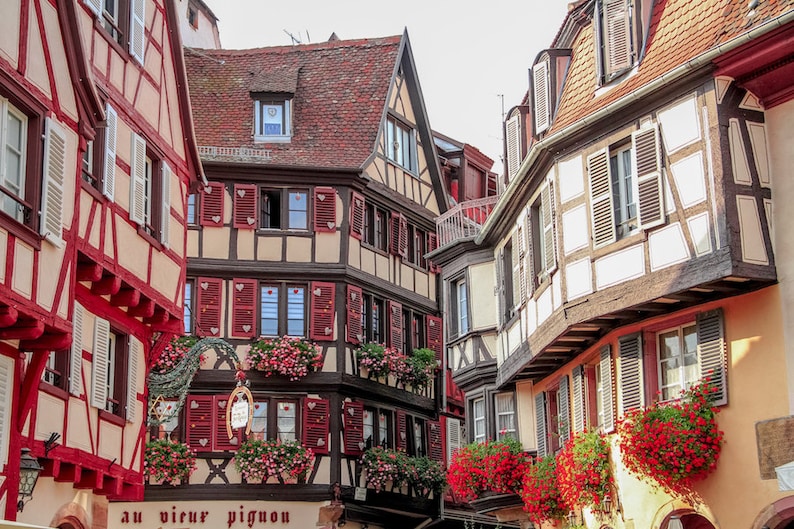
x=320, y=442
x=216, y=219
x=203, y=442
x=250, y=220
x=208, y=190
x=241, y=193
x=360, y=337
x=194, y=405
x=351, y=411
x=311, y=405
x=204, y=285
x=214, y=330
x=361, y=445
x=317, y=291
x=358, y=203
x=246, y=328
x=320, y=197
x=432, y=323
x=331, y=225
x=221, y=403
x=328, y=331
x=402, y=436
x=234, y=440
x=239, y=287
x=353, y=296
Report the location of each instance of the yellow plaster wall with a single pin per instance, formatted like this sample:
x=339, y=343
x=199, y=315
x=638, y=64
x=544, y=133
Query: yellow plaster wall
x=22, y=280
x=299, y=249
x=36, y=71
x=327, y=247
x=482, y=302
x=111, y=436
x=268, y=249
x=245, y=244
x=165, y=275
x=133, y=251
x=50, y=263
x=216, y=243
x=63, y=81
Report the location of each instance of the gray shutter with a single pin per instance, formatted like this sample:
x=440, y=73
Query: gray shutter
x=454, y=437
x=51, y=222
x=522, y=264
x=111, y=128
x=515, y=254
x=549, y=232
x=135, y=353
x=540, y=90
x=76, y=358
x=540, y=422
x=513, y=134
x=712, y=352
x=647, y=164
x=6, y=385
x=94, y=5
x=99, y=377
x=630, y=351
x=578, y=399
x=602, y=215
x=138, y=180
x=165, y=216
x=617, y=42
x=607, y=388
x=530, y=253
x=564, y=410
x=137, y=29
x=500, y=284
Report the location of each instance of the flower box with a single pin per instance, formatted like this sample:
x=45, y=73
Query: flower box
x=167, y=462
x=287, y=462
x=287, y=356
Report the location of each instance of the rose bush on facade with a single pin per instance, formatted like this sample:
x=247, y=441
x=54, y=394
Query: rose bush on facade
x=385, y=467
x=173, y=353
x=168, y=461
x=288, y=356
x=541, y=494
x=258, y=459
x=583, y=471
x=492, y=466
x=673, y=444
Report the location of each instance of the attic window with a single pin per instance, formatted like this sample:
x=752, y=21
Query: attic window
x=192, y=16
x=272, y=120
x=617, y=37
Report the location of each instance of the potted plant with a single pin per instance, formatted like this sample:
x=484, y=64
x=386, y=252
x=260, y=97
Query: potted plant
x=168, y=462
x=495, y=467
x=583, y=471
x=416, y=370
x=285, y=355
x=542, y=499
x=376, y=359
x=425, y=476
x=673, y=444
x=173, y=353
x=386, y=469
x=258, y=460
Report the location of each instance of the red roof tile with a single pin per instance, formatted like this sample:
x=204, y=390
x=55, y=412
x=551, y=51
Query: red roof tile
x=340, y=97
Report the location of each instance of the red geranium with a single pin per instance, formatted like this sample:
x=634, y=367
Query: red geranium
x=541, y=494
x=493, y=466
x=583, y=473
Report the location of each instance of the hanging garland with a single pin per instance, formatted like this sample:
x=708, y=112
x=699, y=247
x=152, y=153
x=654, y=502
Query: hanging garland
x=176, y=381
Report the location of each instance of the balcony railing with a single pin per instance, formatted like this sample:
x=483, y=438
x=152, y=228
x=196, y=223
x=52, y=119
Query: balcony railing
x=464, y=220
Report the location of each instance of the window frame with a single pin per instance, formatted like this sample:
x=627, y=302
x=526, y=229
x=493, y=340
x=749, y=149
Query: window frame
x=376, y=227
x=56, y=371
x=478, y=420
x=603, y=39
x=189, y=304
x=414, y=333
x=457, y=315
x=664, y=390
x=386, y=440
x=373, y=323
x=284, y=195
x=624, y=197
x=283, y=297
x=398, y=133
x=504, y=433
x=283, y=103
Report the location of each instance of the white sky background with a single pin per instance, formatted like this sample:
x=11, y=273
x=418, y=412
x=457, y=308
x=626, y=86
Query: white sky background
x=467, y=53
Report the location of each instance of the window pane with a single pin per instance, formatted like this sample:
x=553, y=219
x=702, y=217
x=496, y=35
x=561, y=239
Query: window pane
x=259, y=422
x=505, y=416
x=286, y=421
x=369, y=428
x=670, y=364
x=383, y=430
x=187, y=314
x=191, y=208
x=298, y=204
x=463, y=308
x=269, y=311
x=418, y=444
x=271, y=209
x=296, y=301
x=478, y=410
x=690, y=360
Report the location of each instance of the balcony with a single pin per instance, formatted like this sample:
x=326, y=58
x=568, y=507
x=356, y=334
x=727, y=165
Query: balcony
x=464, y=220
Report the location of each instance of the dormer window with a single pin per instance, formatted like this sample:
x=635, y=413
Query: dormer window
x=273, y=121
x=401, y=144
x=619, y=36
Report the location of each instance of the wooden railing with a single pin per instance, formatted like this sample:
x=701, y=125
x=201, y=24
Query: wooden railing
x=464, y=220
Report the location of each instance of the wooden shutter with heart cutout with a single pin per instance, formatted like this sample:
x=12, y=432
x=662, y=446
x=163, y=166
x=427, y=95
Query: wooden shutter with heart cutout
x=355, y=330
x=435, y=445
x=244, y=308
x=357, y=216
x=395, y=315
x=212, y=204
x=353, y=421
x=435, y=338
x=245, y=206
x=198, y=422
x=208, y=306
x=325, y=209
x=322, y=311
x=402, y=431
x=315, y=425
x=222, y=441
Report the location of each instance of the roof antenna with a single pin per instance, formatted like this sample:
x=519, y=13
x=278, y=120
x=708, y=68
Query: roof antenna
x=295, y=40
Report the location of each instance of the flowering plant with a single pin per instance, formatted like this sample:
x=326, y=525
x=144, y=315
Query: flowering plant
x=261, y=459
x=166, y=461
x=493, y=466
x=289, y=356
x=173, y=353
x=417, y=369
x=583, y=474
x=541, y=495
x=384, y=465
x=425, y=475
x=376, y=357
x=673, y=444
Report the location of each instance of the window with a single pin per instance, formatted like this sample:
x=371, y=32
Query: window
x=272, y=120
x=459, y=308
x=192, y=16
x=478, y=419
x=592, y=394
x=98, y=164
x=188, y=307
x=401, y=144
x=417, y=245
x=190, y=214
x=282, y=309
x=150, y=190
x=541, y=224
x=552, y=417
x=123, y=20
x=678, y=361
x=623, y=203
x=378, y=428
x=505, y=416
x=413, y=331
x=284, y=209
x=417, y=446
x=617, y=37
x=13, y=161
x=115, y=368
x=56, y=371
x=505, y=282
x=376, y=227
x=372, y=319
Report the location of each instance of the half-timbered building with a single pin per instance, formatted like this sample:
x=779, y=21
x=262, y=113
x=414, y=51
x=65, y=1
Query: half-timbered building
x=635, y=251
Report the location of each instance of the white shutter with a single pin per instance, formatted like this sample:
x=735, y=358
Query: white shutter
x=76, y=358
x=137, y=29
x=540, y=422
x=617, y=41
x=564, y=410
x=51, y=222
x=540, y=90
x=132, y=378
x=529, y=270
x=513, y=133
x=109, y=178
x=602, y=215
x=99, y=371
x=138, y=180
x=647, y=167
x=94, y=5
x=165, y=217
x=6, y=388
x=454, y=437
x=578, y=399
x=515, y=254
x=549, y=239
x=631, y=386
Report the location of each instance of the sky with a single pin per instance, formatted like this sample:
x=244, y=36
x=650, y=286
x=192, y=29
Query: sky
x=472, y=58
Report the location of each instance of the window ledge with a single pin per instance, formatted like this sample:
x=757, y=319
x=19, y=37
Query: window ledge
x=273, y=139
x=21, y=231
x=91, y=190
x=55, y=391
x=607, y=87
x=111, y=418
x=98, y=27
x=149, y=238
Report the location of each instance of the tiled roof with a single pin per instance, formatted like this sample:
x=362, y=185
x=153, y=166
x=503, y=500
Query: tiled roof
x=679, y=31
x=340, y=97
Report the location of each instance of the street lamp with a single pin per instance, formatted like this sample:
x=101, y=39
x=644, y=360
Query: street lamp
x=29, y=470
x=675, y=523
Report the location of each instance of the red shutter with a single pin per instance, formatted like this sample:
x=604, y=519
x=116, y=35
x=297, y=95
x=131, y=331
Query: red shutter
x=244, y=308
x=315, y=425
x=355, y=304
x=357, y=216
x=432, y=245
x=208, y=306
x=402, y=431
x=325, y=209
x=322, y=311
x=399, y=235
x=245, y=206
x=353, y=418
x=222, y=441
x=212, y=204
x=198, y=422
x=435, y=445
x=395, y=311
x=435, y=338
